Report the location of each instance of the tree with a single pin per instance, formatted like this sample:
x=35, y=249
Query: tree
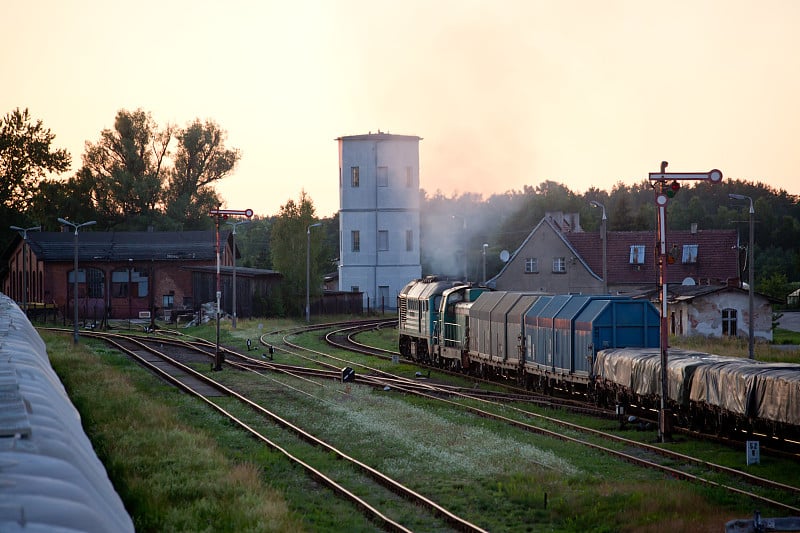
x=125, y=171
x=288, y=248
x=25, y=158
x=200, y=160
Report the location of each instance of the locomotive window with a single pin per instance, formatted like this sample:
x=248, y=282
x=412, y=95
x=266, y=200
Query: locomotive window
x=531, y=265
x=729, y=322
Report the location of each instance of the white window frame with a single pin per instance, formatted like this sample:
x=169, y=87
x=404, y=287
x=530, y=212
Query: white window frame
x=531, y=265
x=559, y=265
x=637, y=254
x=689, y=254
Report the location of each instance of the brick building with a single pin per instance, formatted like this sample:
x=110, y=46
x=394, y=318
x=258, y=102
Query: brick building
x=129, y=274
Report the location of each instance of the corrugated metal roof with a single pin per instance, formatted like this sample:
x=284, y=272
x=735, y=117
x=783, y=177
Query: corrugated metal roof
x=121, y=246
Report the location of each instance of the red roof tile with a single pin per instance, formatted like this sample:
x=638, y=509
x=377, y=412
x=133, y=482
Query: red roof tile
x=717, y=256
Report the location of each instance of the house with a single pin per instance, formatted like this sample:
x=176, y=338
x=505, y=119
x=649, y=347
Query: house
x=559, y=257
x=130, y=274
x=717, y=311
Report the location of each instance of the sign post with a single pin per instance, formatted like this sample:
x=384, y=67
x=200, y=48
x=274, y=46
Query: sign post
x=666, y=185
x=219, y=358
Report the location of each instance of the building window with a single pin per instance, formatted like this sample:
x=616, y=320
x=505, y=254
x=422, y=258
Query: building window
x=383, y=240
x=689, y=253
x=91, y=282
x=354, y=179
x=532, y=265
x=354, y=288
x=409, y=177
x=559, y=264
x=383, y=176
x=729, y=322
x=409, y=240
x=637, y=254
x=168, y=301
x=120, y=280
x=355, y=238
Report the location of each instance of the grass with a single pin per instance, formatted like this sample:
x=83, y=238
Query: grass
x=208, y=476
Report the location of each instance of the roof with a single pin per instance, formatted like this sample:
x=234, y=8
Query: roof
x=246, y=272
x=717, y=255
x=121, y=246
x=379, y=136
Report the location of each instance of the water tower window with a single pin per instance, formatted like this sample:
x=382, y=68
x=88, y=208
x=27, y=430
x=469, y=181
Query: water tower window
x=354, y=179
x=383, y=176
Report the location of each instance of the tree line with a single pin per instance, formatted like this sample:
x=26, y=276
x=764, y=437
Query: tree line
x=139, y=175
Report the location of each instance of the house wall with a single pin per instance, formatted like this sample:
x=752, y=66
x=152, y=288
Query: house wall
x=545, y=245
x=703, y=315
x=13, y=284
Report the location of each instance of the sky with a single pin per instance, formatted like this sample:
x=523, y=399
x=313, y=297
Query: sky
x=504, y=93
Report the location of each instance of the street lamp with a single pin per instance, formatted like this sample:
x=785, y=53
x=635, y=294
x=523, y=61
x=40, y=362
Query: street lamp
x=234, y=224
x=308, y=269
x=605, y=244
x=24, y=233
x=484, y=247
x=75, y=275
x=750, y=323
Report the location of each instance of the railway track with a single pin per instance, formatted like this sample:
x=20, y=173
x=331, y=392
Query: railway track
x=763, y=491
x=673, y=464
x=177, y=370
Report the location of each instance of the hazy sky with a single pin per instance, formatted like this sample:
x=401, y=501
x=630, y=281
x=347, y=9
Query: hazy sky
x=504, y=93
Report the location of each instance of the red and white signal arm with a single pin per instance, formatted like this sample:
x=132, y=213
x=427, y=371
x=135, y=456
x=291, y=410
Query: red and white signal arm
x=232, y=212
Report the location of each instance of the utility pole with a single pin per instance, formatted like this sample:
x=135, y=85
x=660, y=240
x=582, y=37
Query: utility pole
x=603, y=235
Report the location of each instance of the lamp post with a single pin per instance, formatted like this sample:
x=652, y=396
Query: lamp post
x=233, y=225
x=484, y=247
x=603, y=231
x=308, y=269
x=75, y=274
x=750, y=321
x=24, y=233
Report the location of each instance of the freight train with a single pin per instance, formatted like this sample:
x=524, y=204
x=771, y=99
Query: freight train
x=601, y=346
